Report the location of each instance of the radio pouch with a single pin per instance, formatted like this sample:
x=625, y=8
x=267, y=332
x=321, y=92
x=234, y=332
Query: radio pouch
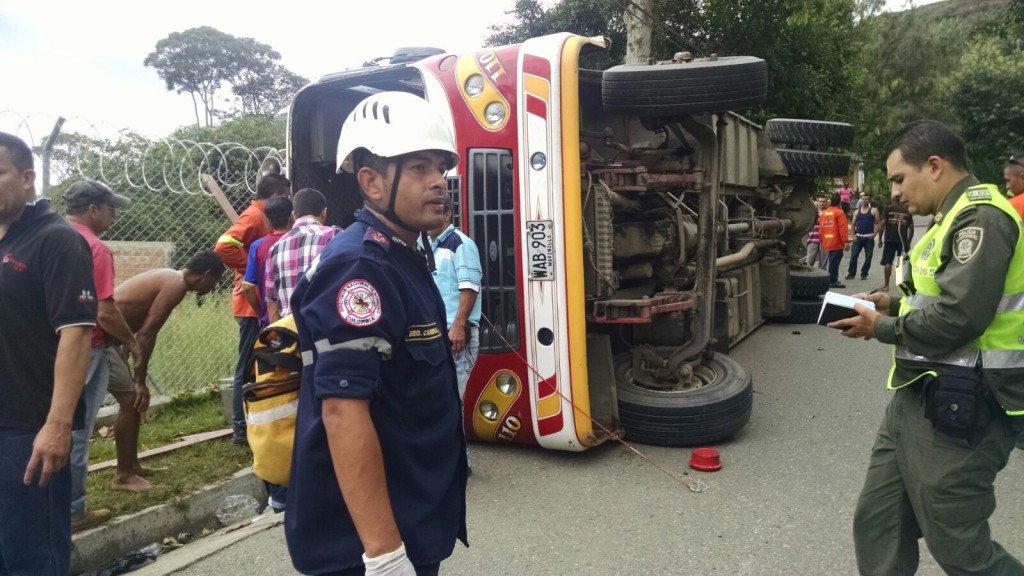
x=953, y=401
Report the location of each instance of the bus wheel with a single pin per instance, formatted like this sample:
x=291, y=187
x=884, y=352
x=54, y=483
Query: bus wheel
x=809, y=133
x=813, y=163
x=714, y=406
x=809, y=283
x=802, y=312
x=701, y=86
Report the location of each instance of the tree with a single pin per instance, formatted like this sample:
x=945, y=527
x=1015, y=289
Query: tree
x=991, y=123
x=907, y=58
x=202, y=60
x=266, y=92
x=812, y=58
x=196, y=61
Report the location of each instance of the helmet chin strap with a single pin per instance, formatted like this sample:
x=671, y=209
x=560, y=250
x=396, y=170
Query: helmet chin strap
x=390, y=215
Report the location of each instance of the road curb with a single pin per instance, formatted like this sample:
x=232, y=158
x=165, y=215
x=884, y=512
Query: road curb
x=207, y=546
x=94, y=549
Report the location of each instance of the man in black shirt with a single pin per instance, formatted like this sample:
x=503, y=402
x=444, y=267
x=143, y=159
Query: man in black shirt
x=47, y=310
x=897, y=232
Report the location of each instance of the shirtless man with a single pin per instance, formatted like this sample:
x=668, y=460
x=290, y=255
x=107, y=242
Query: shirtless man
x=146, y=301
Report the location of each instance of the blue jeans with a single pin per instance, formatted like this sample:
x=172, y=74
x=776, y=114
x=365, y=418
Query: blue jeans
x=93, y=394
x=867, y=244
x=248, y=331
x=466, y=359
x=835, y=258
x=35, y=530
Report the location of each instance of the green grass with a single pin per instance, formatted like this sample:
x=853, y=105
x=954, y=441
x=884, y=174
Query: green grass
x=188, y=469
x=197, y=346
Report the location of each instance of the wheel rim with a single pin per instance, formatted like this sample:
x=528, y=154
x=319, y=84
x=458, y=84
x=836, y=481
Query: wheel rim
x=702, y=376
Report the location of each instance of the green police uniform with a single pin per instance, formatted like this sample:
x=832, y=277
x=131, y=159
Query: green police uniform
x=920, y=481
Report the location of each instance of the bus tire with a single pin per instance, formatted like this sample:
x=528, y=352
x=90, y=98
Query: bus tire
x=813, y=163
x=809, y=283
x=699, y=87
x=713, y=412
x=801, y=312
x=792, y=132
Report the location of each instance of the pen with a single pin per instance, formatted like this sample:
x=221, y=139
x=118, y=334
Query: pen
x=873, y=291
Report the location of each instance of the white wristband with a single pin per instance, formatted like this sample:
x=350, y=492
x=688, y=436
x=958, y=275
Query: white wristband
x=378, y=561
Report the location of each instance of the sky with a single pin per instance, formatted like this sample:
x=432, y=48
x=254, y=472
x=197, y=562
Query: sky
x=83, y=60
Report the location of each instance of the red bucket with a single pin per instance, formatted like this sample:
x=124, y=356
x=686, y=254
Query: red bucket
x=705, y=460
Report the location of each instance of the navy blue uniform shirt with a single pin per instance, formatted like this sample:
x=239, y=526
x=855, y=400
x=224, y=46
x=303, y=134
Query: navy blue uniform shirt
x=372, y=326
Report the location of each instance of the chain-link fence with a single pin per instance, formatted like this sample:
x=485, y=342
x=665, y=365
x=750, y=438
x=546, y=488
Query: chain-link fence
x=173, y=215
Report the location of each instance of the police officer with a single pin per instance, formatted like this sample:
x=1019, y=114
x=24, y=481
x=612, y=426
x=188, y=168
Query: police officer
x=958, y=365
x=378, y=475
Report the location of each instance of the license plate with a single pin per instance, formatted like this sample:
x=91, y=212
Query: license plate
x=540, y=250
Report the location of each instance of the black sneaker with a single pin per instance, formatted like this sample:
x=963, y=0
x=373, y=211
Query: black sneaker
x=849, y=276
x=837, y=285
x=863, y=276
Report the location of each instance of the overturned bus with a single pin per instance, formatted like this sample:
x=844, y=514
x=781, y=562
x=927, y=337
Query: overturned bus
x=632, y=228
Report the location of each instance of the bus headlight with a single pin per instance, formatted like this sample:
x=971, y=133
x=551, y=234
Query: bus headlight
x=495, y=113
x=474, y=85
x=506, y=384
x=489, y=411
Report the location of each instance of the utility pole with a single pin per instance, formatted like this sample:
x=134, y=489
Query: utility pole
x=638, y=21
x=46, y=150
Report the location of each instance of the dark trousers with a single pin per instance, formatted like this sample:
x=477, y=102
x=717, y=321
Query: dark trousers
x=35, y=522
x=248, y=330
x=835, y=258
x=922, y=483
x=866, y=244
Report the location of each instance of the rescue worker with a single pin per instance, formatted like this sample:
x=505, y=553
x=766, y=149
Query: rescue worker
x=233, y=249
x=834, y=230
x=958, y=363
x=378, y=479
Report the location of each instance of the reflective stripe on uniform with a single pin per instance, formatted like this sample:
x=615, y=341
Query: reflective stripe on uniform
x=959, y=357
x=225, y=239
x=369, y=343
x=1008, y=303
x=1011, y=302
x=272, y=414
x=1002, y=359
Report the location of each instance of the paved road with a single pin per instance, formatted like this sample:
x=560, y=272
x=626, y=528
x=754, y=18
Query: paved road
x=781, y=505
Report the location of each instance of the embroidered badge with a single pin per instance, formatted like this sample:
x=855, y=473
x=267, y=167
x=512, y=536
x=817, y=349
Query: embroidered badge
x=967, y=243
x=423, y=332
x=928, y=250
x=377, y=237
x=359, y=303
x=975, y=194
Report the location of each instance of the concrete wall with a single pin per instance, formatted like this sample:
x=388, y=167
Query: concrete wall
x=134, y=258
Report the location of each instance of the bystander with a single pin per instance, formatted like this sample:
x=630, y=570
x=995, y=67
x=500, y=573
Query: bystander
x=47, y=311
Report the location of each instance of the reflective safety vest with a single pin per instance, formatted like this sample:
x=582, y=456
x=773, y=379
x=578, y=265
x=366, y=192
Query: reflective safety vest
x=1001, y=346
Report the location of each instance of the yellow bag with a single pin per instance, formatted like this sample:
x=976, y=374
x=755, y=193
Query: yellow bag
x=271, y=399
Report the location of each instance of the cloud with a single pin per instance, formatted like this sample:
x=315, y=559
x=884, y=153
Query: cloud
x=87, y=63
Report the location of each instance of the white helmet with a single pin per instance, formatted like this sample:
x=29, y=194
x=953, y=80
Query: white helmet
x=390, y=124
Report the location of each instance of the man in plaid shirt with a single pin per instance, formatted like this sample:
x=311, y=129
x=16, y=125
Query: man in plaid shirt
x=296, y=250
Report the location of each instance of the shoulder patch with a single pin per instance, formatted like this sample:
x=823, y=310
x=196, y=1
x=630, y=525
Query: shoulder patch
x=966, y=243
x=374, y=236
x=976, y=194
x=358, y=303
